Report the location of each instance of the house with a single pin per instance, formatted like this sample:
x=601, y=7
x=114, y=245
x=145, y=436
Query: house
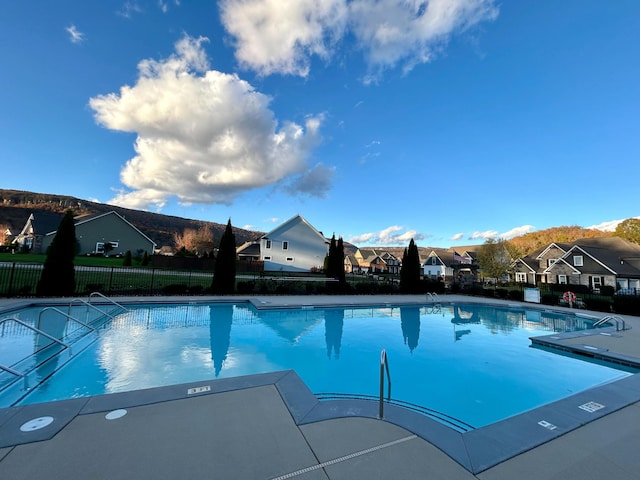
x=592, y=262
x=36, y=227
x=364, y=257
x=249, y=251
x=93, y=232
x=368, y=260
x=451, y=265
x=294, y=246
x=351, y=264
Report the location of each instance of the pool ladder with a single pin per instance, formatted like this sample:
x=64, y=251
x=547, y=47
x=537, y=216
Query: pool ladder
x=68, y=316
x=384, y=366
x=612, y=318
x=435, y=302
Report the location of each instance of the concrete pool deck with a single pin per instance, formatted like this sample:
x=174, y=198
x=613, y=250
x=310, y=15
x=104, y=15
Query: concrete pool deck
x=271, y=426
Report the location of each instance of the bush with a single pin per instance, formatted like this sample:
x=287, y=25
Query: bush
x=517, y=295
x=627, y=305
x=175, y=289
x=502, y=293
x=549, y=299
x=607, y=290
x=598, y=304
x=126, y=262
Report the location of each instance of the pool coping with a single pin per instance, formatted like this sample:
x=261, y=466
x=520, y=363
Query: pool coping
x=476, y=450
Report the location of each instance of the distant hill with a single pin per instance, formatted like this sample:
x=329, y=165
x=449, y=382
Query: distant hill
x=16, y=206
x=530, y=242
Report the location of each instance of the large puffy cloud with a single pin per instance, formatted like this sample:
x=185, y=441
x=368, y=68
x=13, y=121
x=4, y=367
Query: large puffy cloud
x=280, y=36
x=202, y=135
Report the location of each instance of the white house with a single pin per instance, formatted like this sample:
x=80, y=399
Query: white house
x=294, y=246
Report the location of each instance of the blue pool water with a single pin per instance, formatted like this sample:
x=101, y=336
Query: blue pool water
x=472, y=362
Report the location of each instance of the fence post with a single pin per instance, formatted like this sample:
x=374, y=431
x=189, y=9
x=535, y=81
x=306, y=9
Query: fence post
x=13, y=268
x=110, y=281
x=153, y=274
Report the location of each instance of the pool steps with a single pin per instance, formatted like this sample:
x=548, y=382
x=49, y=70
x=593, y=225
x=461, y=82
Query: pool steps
x=42, y=363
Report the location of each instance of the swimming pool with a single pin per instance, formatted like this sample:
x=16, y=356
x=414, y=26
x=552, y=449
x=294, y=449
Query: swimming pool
x=472, y=362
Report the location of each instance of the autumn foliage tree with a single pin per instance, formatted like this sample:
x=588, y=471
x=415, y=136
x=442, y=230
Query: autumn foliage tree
x=629, y=230
x=494, y=258
x=530, y=242
x=196, y=241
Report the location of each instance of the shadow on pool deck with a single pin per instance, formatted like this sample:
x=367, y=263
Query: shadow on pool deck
x=271, y=426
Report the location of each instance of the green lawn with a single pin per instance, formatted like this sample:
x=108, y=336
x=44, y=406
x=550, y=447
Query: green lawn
x=79, y=260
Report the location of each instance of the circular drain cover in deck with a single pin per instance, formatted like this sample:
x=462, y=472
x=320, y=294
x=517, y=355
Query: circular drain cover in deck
x=115, y=414
x=36, y=424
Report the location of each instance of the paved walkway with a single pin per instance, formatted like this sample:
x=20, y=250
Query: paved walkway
x=270, y=426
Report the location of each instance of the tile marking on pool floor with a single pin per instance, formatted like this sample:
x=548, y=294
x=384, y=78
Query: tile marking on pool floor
x=346, y=457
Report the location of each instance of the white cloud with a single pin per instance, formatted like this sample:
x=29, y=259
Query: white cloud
x=248, y=227
x=276, y=36
x=514, y=232
x=483, y=235
x=517, y=231
x=408, y=33
x=128, y=8
x=203, y=135
x=456, y=237
x=609, y=226
x=74, y=34
x=315, y=181
x=389, y=236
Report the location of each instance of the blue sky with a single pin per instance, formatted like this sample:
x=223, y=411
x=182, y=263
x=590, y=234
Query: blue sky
x=446, y=121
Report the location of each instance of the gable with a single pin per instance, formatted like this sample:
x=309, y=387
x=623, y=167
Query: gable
x=297, y=228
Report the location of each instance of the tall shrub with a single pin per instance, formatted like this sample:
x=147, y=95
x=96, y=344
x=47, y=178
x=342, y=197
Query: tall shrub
x=58, y=274
x=410, y=271
x=224, y=276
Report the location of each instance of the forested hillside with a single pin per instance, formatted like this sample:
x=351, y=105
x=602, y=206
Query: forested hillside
x=16, y=206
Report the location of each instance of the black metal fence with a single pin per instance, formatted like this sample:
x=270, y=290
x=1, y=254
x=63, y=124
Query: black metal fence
x=21, y=279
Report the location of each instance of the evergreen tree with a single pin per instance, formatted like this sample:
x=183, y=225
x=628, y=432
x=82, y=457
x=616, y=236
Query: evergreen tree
x=58, y=274
x=410, y=271
x=145, y=259
x=330, y=268
x=224, y=276
x=126, y=261
x=340, y=261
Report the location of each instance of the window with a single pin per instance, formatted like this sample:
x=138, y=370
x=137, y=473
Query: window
x=268, y=244
x=285, y=245
x=289, y=259
x=562, y=279
x=267, y=258
x=577, y=261
x=551, y=261
x=521, y=277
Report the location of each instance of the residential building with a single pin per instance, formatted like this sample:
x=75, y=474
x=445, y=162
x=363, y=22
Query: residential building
x=592, y=262
x=294, y=246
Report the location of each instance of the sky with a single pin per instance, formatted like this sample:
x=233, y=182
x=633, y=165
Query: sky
x=446, y=121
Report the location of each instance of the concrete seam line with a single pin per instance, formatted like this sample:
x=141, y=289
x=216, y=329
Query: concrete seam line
x=346, y=457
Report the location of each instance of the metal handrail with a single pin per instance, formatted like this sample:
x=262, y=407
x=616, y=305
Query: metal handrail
x=69, y=317
x=30, y=327
x=614, y=318
x=108, y=299
x=433, y=297
x=11, y=371
x=384, y=365
x=89, y=305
